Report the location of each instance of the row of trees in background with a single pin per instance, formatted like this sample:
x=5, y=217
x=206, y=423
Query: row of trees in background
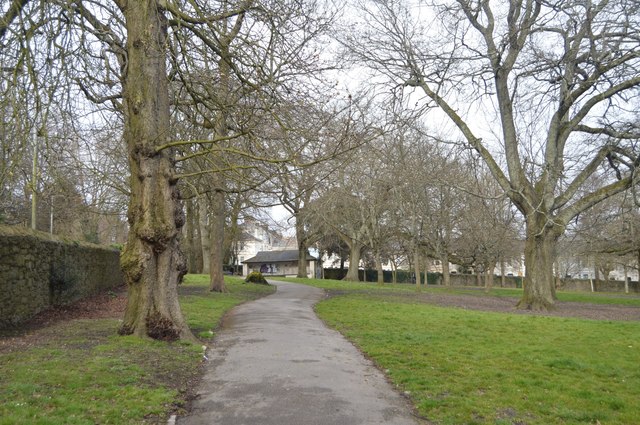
x=494, y=125
x=449, y=209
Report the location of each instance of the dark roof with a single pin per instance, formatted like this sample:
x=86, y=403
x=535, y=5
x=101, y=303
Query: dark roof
x=277, y=256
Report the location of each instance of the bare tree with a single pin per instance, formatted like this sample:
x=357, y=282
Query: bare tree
x=488, y=230
x=554, y=80
x=127, y=74
x=323, y=130
x=238, y=79
x=152, y=260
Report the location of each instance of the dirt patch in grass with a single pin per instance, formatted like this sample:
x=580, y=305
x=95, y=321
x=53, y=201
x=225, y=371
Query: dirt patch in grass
x=508, y=305
x=105, y=305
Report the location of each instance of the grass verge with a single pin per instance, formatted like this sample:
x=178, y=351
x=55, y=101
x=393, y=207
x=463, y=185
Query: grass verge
x=470, y=367
x=81, y=372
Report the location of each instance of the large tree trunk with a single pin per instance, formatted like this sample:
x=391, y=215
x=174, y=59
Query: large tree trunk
x=355, y=250
x=539, y=255
x=152, y=261
x=217, y=243
x=503, y=278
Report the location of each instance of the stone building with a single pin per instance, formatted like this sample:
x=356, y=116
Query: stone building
x=279, y=263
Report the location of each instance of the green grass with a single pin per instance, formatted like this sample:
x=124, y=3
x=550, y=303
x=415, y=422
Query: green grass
x=203, y=309
x=584, y=297
x=469, y=367
x=81, y=372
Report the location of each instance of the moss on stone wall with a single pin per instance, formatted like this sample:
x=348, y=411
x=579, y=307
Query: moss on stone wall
x=38, y=270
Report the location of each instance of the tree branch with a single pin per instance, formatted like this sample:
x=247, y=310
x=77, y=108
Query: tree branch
x=14, y=10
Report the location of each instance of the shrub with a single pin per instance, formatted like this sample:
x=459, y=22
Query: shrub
x=256, y=277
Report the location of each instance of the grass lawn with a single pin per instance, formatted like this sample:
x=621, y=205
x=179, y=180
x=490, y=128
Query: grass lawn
x=81, y=372
x=584, y=297
x=471, y=367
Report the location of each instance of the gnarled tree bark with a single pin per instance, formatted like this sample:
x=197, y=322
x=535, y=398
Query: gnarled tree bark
x=152, y=261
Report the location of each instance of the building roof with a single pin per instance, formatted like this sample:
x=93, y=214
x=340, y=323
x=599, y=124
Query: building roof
x=245, y=236
x=277, y=256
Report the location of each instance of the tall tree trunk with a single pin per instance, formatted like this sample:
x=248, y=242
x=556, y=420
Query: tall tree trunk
x=355, y=250
x=503, y=278
x=379, y=269
x=638, y=264
x=488, y=276
x=205, y=232
x=195, y=244
x=446, y=273
x=539, y=255
x=558, y=278
x=231, y=232
x=416, y=268
x=425, y=263
x=626, y=279
x=152, y=261
x=190, y=237
x=301, y=237
x=217, y=242
x=394, y=272
x=302, y=260
x=218, y=202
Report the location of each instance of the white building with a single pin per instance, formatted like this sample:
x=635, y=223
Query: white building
x=258, y=237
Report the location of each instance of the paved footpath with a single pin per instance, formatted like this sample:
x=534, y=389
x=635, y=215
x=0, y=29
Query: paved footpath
x=274, y=362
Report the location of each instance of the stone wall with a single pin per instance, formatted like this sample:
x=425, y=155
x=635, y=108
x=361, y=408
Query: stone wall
x=38, y=271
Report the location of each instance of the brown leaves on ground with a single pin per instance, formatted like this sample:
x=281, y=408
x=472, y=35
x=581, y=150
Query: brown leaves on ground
x=105, y=305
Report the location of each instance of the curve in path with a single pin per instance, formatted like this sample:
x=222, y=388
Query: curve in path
x=274, y=362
